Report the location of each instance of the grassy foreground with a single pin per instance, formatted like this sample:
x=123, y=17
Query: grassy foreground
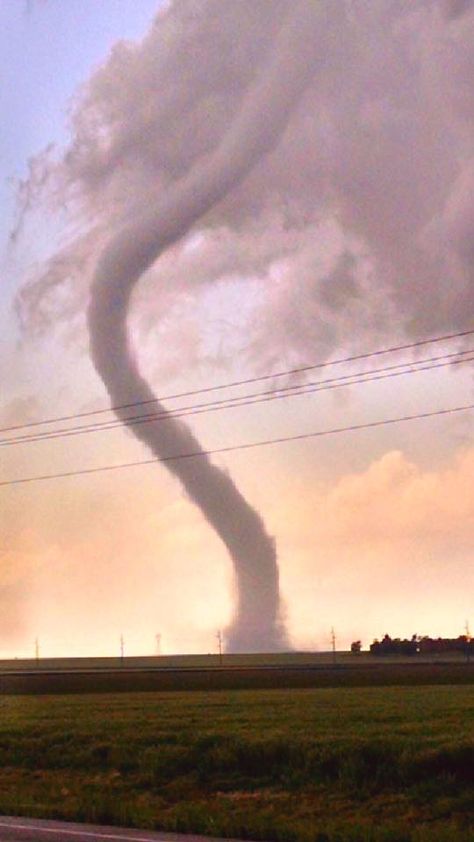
x=328, y=765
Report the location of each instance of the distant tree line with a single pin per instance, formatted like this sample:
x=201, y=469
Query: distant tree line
x=422, y=645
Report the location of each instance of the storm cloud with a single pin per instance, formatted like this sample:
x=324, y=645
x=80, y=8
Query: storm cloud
x=375, y=162
x=356, y=223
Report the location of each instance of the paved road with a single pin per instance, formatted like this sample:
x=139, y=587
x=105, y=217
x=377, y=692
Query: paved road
x=36, y=830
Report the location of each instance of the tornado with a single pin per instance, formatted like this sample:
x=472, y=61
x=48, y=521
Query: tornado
x=257, y=623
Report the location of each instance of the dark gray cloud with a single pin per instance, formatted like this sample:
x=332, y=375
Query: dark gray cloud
x=378, y=147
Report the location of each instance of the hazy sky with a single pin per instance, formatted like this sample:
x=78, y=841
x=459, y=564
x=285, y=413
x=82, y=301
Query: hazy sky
x=354, y=234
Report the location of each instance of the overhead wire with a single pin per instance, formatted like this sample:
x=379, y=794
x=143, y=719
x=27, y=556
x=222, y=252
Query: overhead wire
x=243, y=382
x=351, y=379
x=243, y=446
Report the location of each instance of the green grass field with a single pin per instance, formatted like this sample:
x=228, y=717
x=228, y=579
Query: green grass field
x=364, y=765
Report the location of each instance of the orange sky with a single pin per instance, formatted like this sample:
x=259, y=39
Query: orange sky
x=385, y=548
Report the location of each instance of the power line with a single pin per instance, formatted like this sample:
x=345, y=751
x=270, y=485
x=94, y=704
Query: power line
x=354, y=379
x=245, y=382
x=245, y=446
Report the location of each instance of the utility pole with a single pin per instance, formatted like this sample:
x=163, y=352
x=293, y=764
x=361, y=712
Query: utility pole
x=158, y=643
x=219, y=641
x=333, y=644
x=122, y=648
x=37, y=649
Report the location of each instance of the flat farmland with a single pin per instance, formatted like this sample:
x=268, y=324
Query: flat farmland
x=265, y=659
x=375, y=764
x=295, y=670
